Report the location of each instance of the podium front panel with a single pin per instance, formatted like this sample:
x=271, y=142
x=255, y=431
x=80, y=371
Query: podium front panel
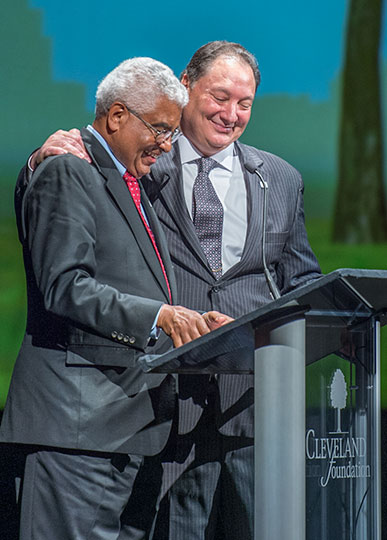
x=341, y=442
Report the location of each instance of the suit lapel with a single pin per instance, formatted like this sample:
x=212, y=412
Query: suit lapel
x=254, y=195
x=161, y=242
x=168, y=176
x=118, y=190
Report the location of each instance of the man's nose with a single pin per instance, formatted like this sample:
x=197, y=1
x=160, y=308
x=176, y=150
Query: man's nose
x=229, y=113
x=166, y=145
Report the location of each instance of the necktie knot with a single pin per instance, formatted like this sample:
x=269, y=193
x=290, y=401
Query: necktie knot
x=134, y=189
x=205, y=165
x=128, y=177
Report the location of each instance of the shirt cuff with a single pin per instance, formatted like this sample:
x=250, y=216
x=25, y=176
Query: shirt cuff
x=30, y=169
x=155, y=331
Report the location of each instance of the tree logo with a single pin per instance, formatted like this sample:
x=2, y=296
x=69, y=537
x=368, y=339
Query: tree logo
x=338, y=397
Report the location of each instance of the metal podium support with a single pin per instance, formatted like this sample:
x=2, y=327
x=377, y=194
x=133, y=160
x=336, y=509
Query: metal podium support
x=279, y=430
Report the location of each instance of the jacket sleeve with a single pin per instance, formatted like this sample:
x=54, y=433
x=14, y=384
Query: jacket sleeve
x=20, y=188
x=298, y=264
x=61, y=216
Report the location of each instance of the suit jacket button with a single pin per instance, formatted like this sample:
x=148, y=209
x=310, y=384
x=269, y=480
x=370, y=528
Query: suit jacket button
x=126, y=339
x=120, y=337
x=132, y=340
x=114, y=334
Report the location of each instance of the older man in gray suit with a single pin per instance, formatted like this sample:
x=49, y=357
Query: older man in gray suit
x=209, y=467
x=100, y=289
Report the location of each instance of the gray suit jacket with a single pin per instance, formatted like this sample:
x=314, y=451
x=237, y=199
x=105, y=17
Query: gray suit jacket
x=94, y=287
x=243, y=287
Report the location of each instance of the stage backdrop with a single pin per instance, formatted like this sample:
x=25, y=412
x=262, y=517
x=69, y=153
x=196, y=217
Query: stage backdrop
x=54, y=53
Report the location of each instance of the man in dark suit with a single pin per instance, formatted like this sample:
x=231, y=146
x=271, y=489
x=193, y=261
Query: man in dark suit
x=209, y=466
x=100, y=290
x=211, y=469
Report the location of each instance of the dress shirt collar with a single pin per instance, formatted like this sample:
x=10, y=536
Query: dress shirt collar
x=188, y=153
x=121, y=168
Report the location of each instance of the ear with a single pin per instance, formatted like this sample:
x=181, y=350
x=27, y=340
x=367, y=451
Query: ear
x=185, y=82
x=117, y=116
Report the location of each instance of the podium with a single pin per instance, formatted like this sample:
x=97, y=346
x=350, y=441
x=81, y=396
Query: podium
x=315, y=355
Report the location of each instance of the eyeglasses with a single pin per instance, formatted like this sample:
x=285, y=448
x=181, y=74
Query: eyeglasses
x=161, y=136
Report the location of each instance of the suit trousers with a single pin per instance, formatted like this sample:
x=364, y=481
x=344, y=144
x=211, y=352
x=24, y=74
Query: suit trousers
x=209, y=490
x=69, y=495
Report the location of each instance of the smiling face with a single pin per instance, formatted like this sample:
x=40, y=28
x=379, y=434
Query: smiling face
x=131, y=141
x=219, y=105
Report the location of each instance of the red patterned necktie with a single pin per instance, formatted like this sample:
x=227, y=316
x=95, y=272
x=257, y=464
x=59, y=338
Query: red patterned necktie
x=134, y=189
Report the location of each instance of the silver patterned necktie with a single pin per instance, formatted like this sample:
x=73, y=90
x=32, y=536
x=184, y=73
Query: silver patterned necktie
x=207, y=215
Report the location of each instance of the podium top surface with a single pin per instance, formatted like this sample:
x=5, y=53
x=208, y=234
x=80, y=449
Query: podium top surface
x=368, y=286
x=350, y=296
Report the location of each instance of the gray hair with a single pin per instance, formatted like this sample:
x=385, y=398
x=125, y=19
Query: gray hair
x=207, y=54
x=139, y=83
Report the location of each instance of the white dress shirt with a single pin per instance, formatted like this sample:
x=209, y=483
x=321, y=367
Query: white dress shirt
x=230, y=187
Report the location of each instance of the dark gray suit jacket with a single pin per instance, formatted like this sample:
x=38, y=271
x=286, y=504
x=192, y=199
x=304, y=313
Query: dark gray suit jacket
x=243, y=287
x=94, y=287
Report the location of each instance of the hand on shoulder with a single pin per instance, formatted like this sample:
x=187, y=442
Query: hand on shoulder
x=60, y=142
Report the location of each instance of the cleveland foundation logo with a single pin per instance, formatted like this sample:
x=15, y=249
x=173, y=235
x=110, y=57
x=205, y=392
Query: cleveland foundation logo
x=339, y=455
